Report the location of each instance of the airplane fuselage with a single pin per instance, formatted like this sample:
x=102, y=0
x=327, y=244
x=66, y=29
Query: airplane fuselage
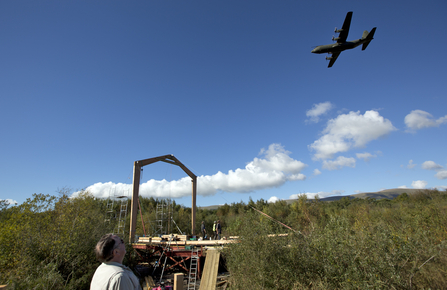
x=338, y=47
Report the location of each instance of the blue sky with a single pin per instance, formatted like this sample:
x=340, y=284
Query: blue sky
x=230, y=88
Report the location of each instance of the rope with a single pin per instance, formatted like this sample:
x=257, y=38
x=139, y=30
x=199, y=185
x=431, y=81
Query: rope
x=275, y=220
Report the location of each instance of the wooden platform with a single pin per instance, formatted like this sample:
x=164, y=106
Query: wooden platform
x=181, y=241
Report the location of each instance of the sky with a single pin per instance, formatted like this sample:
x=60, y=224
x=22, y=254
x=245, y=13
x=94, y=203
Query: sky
x=230, y=88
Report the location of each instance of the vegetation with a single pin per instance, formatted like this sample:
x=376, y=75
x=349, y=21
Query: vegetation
x=47, y=242
x=346, y=244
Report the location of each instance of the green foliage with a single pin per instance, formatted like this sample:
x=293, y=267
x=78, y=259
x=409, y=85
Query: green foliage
x=348, y=244
x=47, y=242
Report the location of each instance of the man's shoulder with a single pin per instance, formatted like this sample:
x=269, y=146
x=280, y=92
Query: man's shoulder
x=112, y=275
x=109, y=269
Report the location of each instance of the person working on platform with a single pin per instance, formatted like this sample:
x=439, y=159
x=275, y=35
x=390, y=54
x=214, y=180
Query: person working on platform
x=218, y=230
x=214, y=231
x=112, y=274
x=203, y=230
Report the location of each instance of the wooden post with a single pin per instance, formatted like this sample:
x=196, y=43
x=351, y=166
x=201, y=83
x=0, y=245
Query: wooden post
x=178, y=281
x=193, y=207
x=134, y=203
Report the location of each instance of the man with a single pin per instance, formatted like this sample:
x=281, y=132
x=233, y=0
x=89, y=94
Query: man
x=203, y=230
x=112, y=274
x=214, y=231
x=218, y=229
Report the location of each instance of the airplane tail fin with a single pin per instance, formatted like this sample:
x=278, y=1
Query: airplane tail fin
x=368, y=36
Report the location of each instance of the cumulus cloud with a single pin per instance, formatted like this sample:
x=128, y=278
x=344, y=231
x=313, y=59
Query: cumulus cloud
x=441, y=174
x=273, y=169
x=317, y=172
x=273, y=199
x=318, y=110
x=419, y=184
x=9, y=201
x=431, y=165
x=348, y=131
x=339, y=163
x=411, y=165
x=419, y=119
x=321, y=194
x=365, y=156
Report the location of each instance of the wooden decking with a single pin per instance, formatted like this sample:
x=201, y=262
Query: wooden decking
x=181, y=241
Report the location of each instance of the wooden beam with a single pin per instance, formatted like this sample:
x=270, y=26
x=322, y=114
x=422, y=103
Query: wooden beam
x=193, y=205
x=134, y=202
x=209, y=277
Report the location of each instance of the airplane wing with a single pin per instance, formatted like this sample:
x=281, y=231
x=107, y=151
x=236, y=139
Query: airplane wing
x=345, y=29
x=333, y=58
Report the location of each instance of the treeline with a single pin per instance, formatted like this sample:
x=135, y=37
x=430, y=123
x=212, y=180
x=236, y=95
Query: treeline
x=47, y=242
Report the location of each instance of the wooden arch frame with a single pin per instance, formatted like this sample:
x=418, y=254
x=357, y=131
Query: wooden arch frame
x=136, y=190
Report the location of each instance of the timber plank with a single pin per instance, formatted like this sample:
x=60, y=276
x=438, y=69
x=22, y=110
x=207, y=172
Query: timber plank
x=209, y=276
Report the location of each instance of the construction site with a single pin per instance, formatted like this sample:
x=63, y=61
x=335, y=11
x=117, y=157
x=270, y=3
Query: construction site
x=168, y=260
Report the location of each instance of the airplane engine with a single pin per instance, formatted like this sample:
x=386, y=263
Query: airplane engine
x=335, y=38
x=337, y=30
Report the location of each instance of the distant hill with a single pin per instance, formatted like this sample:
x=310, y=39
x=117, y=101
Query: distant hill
x=387, y=193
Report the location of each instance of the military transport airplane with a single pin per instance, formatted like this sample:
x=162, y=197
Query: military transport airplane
x=335, y=49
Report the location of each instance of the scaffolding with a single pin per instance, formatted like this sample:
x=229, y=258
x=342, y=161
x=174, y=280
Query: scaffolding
x=111, y=214
x=123, y=214
x=163, y=218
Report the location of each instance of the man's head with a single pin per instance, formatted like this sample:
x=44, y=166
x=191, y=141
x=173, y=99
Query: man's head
x=110, y=248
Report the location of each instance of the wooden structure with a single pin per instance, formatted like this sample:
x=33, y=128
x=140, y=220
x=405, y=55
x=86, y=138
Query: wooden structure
x=136, y=189
x=174, y=250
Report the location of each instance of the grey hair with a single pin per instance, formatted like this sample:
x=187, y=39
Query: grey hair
x=104, y=248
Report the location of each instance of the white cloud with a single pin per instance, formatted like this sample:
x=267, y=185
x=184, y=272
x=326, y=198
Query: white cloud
x=273, y=199
x=321, y=194
x=365, y=156
x=431, y=165
x=402, y=186
x=339, y=163
x=441, y=174
x=419, y=184
x=318, y=110
x=419, y=119
x=349, y=131
x=317, y=172
x=274, y=169
x=411, y=165
x=9, y=201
